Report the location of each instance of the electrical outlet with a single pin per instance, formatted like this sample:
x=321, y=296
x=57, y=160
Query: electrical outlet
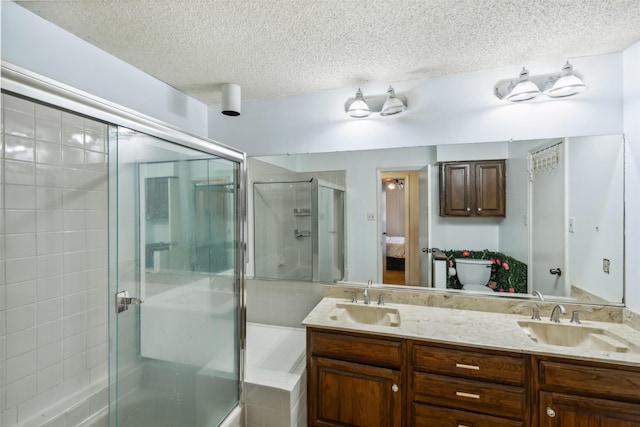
x=371, y=217
x=605, y=265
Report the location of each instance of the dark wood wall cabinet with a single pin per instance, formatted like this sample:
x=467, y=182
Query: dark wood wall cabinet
x=364, y=380
x=472, y=189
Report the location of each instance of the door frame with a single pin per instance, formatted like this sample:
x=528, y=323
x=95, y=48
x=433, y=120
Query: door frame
x=411, y=219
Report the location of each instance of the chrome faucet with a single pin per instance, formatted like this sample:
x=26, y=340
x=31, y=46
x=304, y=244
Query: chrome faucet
x=538, y=294
x=367, y=296
x=555, y=313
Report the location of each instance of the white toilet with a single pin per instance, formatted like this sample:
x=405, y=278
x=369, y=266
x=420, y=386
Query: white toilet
x=474, y=274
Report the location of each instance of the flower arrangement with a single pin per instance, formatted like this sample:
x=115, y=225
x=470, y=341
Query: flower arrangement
x=507, y=273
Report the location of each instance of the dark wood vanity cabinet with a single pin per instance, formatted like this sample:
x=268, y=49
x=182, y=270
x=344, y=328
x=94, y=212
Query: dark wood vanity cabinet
x=363, y=380
x=455, y=386
x=355, y=380
x=576, y=393
x=472, y=189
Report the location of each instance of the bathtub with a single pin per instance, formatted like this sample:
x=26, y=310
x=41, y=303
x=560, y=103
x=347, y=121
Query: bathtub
x=136, y=418
x=274, y=387
x=275, y=390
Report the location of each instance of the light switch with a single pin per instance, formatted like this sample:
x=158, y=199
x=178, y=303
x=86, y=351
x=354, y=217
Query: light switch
x=572, y=225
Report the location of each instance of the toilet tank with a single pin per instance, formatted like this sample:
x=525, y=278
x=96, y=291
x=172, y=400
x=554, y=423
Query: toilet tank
x=473, y=271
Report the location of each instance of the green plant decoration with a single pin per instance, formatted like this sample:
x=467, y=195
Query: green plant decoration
x=507, y=273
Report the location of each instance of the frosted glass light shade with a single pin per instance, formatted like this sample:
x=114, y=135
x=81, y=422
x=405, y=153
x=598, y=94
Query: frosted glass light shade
x=522, y=90
x=359, y=107
x=567, y=84
x=393, y=105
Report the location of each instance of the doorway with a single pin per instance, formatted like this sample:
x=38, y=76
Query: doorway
x=399, y=216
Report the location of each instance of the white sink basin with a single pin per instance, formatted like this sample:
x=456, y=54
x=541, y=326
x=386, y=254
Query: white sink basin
x=577, y=336
x=365, y=314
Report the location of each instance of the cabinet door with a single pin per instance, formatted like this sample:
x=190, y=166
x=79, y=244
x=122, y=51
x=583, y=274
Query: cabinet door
x=490, y=188
x=456, y=196
x=563, y=410
x=344, y=393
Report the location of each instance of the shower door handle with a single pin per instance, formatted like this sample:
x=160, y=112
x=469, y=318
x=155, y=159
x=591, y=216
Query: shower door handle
x=123, y=301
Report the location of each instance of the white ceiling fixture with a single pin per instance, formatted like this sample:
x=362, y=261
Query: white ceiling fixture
x=388, y=105
x=359, y=107
x=231, y=99
x=393, y=104
x=566, y=84
x=560, y=85
x=282, y=48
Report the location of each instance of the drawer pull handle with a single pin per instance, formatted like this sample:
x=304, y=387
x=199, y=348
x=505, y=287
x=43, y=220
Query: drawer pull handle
x=463, y=425
x=472, y=367
x=470, y=395
x=394, y=388
x=551, y=413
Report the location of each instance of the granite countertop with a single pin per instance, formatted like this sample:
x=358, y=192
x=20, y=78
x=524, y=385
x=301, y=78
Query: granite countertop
x=474, y=328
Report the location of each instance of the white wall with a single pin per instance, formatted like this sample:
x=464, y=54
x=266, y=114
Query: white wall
x=596, y=203
x=632, y=174
x=39, y=46
x=452, y=109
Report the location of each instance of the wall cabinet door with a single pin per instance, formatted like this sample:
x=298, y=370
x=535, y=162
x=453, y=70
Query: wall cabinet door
x=489, y=188
x=564, y=410
x=472, y=188
x=345, y=393
x=456, y=195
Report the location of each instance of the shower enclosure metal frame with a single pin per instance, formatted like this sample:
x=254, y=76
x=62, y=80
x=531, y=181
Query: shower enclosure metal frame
x=312, y=230
x=21, y=82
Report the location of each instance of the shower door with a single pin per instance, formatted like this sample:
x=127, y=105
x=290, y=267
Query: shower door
x=330, y=241
x=174, y=283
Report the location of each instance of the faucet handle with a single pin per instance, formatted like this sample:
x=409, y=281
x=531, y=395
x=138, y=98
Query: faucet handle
x=535, y=312
x=381, y=298
x=354, y=297
x=575, y=318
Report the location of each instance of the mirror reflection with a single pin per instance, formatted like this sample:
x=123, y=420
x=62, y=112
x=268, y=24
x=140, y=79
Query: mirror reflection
x=550, y=219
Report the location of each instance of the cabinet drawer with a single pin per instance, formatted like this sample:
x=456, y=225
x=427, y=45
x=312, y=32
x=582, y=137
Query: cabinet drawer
x=590, y=380
x=469, y=364
x=477, y=396
x=354, y=348
x=432, y=416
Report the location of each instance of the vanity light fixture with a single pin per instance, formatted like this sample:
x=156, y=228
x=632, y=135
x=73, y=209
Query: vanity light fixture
x=359, y=107
x=525, y=88
x=393, y=104
x=522, y=90
x=566, y=84
x=385, y=105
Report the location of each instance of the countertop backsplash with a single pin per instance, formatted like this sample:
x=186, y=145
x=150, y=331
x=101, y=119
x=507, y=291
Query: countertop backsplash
x=462, y=300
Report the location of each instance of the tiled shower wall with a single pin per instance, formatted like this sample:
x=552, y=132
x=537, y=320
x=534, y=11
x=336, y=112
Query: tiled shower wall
x=53, y=260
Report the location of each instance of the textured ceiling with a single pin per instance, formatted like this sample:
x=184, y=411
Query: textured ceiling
x=275, y=48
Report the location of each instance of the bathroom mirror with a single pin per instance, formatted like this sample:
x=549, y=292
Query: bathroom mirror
x=586, y=208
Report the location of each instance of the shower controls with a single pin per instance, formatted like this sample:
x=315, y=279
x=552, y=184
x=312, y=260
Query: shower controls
x=123, y=301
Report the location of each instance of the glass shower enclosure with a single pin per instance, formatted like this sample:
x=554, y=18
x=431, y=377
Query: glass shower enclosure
x=175, y=278
x=124, y=252
x=299, y=230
